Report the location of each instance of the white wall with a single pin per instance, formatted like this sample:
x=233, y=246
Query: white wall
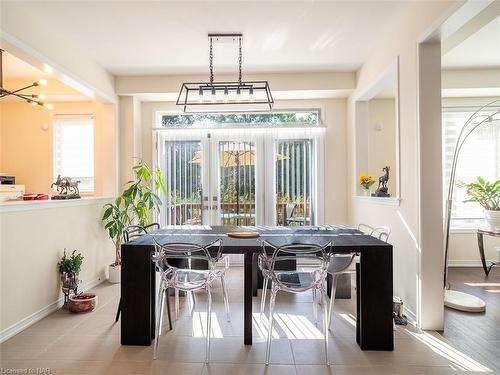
x=382, y=143
x=403, y=219
x=32, y=239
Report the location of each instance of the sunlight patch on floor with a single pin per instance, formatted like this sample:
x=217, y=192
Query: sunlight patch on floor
x=459, y=359
x=482, y=284
x=349, y=319
x=294, y=326
x=199, y=322
x=493, y=290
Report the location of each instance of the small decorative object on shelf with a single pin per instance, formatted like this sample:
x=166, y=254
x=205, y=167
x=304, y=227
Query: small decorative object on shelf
x=366, y=181
x=69, y=268
x=487, y=194
x=66, y=188
x=382, y=190
x=84, y=302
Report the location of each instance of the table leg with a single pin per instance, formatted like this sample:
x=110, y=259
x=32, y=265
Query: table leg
x=255, y=276
x=137, y=303
x=480, y=244
x=247, y=299
x=375, y=299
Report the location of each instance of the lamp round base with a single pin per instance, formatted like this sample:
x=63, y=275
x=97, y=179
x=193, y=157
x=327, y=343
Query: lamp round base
x=463, y=301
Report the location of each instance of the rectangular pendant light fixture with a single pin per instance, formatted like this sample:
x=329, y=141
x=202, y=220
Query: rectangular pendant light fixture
x=236, y=96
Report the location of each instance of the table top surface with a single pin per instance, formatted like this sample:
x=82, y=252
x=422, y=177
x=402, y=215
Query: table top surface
x=343, y=238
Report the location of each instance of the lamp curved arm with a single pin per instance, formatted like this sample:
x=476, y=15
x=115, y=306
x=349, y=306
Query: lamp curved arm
x=467, y=130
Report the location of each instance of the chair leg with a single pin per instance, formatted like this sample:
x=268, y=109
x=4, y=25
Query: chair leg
x=119, y=310
x=315, y=306
x=169, y=312
x=176, y=304
x=209, y=322
x=270, y=327
x=159, y=317
x=326, y=322
x=225, y=297
x=263, y=299
x=332, y=300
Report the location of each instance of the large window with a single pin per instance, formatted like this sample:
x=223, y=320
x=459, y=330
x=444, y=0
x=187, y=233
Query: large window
x=220, y=171
x=479, y=156
x=74, y=149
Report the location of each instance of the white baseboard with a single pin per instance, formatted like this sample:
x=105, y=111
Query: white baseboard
x=465, y=263
x=42, y=313
x=410, y=315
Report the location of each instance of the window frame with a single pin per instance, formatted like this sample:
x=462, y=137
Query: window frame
x=58, y=117
x=459, y=224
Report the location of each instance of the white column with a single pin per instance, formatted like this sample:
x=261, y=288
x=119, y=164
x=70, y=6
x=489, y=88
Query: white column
x=430, y=282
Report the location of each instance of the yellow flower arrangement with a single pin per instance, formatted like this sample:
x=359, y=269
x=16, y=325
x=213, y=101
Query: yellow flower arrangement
x=366, y=181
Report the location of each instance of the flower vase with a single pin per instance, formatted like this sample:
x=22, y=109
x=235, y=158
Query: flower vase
x=366, y=192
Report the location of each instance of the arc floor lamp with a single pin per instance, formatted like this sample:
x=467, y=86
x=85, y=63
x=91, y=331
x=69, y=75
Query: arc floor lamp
x=488, y=115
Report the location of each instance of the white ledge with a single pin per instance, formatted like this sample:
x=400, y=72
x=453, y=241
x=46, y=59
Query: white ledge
x=15, y=206
x=389, y=201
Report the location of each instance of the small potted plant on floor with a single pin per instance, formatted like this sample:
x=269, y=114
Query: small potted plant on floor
x=69, y=268
x=487, y=194
x=134, y=206
x=366, y=181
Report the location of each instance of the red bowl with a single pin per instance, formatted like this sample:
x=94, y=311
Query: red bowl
x=84, y=302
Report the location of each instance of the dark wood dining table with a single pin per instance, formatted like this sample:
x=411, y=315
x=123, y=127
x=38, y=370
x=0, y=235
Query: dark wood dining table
x=374, y=293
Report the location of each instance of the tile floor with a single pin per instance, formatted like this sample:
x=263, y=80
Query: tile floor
x=65, y=343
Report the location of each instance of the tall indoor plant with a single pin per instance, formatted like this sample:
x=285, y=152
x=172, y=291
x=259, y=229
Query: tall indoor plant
x=487, y=194
x=133, y=206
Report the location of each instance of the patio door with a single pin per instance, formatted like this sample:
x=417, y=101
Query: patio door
x=210, y=178
x=241, y=177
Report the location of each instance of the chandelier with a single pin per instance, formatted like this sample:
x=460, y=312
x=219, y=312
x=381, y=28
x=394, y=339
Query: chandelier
x=232, y=96
x=33, y=99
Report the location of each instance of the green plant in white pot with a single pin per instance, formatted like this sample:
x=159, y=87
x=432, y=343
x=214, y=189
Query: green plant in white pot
x=487, y=194
x=134, y=205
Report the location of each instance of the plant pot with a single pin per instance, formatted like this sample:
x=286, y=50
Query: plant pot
x=84, y=302
x=69, y=282
x=114, y=273
x=492, y=219
x=366, y=192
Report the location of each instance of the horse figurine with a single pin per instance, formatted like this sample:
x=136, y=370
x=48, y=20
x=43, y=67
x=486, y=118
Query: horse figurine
x=66, y=186
x=382, y=183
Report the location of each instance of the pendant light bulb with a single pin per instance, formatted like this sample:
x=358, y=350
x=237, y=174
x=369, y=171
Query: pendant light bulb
x=48, y=106
x=200, y=94
x=214, y=95
x=40, y=82
x=33, y=103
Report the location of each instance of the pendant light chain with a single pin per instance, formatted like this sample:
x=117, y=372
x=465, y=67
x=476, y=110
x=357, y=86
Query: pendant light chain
x=223, y=96
x=211, y=60
x=240, y=61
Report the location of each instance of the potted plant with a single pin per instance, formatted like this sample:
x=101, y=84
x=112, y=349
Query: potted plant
x=133, y=206
x=487, y=194
x=366, y=181
x=69, y=268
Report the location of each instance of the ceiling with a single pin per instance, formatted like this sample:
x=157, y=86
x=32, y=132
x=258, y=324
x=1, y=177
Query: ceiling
x=14, y=68
x=17, y=74
x=129, y=38
x=480, y=50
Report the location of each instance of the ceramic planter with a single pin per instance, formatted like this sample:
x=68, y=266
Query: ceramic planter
x=84, y=302
x=492, y=219
x=114, y=273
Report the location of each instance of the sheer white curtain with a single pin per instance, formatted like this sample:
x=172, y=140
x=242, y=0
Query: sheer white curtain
x=479, y=156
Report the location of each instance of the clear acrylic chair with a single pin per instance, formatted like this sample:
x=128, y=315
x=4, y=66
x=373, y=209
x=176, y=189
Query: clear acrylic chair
x=167, y=258
x=297, y=281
